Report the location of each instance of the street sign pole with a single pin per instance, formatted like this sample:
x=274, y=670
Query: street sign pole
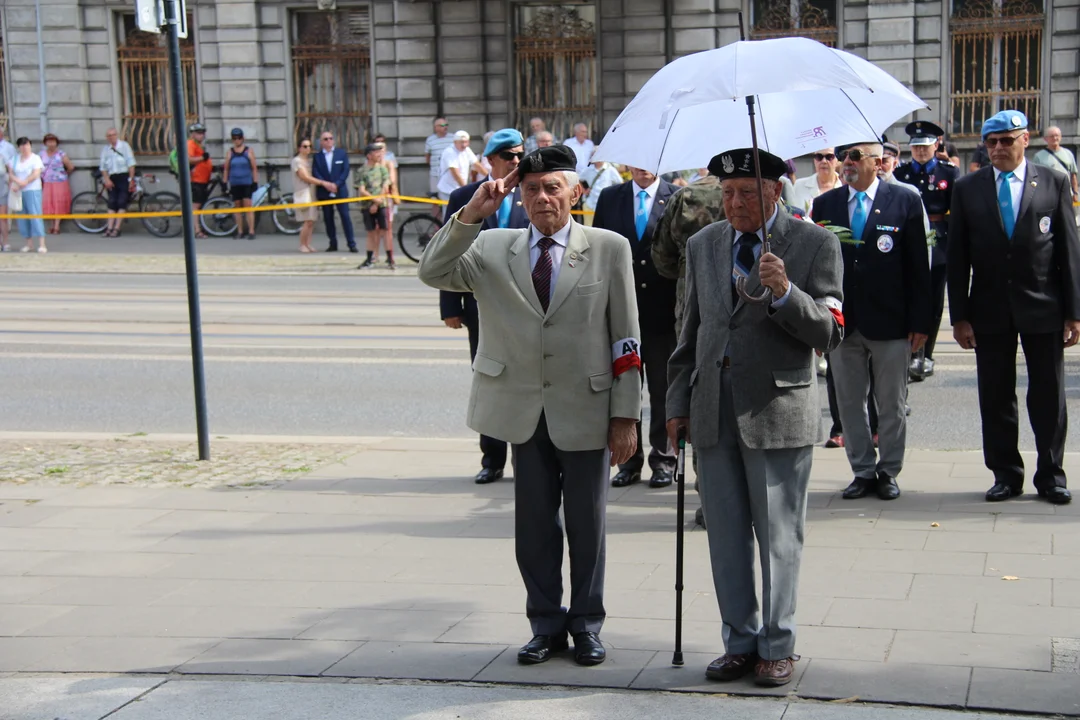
x=174, y=16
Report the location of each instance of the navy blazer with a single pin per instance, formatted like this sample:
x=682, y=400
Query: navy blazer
x=1028, y=283
x=887, y=275
x=337, y=174
x=460, y=304
x=615, y=211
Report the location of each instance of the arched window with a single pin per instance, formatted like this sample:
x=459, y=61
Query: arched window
x=997, y=53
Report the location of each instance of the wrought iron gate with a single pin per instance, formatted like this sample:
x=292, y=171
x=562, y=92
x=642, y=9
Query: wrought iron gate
x=331, y=66
x=146, y=122
x=815, y=19
x=997, y=61
x=555, y=67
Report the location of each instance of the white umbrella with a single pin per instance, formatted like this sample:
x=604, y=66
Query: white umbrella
x=808, y=96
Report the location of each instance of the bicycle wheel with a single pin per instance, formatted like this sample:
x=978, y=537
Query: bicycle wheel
x=162, y=202
x=218, y=224
x=85, y=203
x=415, y=233
x=285, y=219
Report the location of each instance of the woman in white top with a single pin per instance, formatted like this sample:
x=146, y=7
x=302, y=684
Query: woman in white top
x=302, y=185
x=26, y=181
x=825, y=178
x=605, y=176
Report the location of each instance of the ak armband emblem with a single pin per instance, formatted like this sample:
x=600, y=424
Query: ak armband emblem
x=624, y=355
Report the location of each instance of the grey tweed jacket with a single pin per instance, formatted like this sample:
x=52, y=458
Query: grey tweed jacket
x=770, y=350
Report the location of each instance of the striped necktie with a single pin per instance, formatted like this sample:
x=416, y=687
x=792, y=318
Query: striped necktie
x=541, y=274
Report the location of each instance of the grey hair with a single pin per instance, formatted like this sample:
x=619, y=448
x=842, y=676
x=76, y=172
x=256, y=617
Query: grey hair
x=545, y=132
x=571, y=177
x=580, y=125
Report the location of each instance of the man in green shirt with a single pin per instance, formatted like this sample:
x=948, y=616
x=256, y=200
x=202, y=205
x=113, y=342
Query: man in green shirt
x=1057, y=158
x=374, y=179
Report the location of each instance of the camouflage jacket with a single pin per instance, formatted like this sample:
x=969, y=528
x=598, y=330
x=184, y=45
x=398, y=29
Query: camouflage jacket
x=688, y=211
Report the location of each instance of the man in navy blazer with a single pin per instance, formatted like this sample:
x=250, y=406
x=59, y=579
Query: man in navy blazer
x=888, y=313
x=633, y=209
x=504, y=151
x=332, y=165
x=1014, y=270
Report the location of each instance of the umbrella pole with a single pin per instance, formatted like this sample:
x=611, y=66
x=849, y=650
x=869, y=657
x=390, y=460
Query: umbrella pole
x=741, y=284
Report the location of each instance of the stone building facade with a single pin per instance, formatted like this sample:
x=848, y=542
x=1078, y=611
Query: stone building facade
x=281, y=68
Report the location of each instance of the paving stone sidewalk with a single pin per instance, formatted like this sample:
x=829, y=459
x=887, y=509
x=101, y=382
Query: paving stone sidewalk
x=393, y=564
x=138, y=264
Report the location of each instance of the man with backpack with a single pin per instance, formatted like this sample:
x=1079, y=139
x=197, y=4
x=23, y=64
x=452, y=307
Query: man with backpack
x=201, y=168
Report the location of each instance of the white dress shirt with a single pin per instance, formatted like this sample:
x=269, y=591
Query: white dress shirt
x=777, y=302
x=583, y=151
x=1016, y=185
x=556, y=251
x=871, y=193
x=649, y=198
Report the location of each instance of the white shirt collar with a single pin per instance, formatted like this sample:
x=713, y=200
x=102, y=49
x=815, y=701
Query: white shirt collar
x=651, y=190
x=562, y=237
x=768, y=225
x=1019, y=174
x=871, y=192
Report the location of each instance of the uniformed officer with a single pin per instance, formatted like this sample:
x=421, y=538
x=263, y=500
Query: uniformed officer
x=934, y=179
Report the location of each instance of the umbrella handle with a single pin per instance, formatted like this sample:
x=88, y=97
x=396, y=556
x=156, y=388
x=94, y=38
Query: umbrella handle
x=763, y=298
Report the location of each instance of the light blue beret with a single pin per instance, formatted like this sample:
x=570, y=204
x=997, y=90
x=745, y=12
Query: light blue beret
x=1005, y=121
x=503, y=139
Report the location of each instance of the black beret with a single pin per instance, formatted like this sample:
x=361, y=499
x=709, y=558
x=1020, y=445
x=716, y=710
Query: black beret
x=549, y=159
x=740, y=164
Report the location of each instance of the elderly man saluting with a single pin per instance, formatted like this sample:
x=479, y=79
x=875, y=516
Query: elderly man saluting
x=557, y=374
x=743, y=384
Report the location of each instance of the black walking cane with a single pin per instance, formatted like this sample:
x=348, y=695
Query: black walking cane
x=680, y=481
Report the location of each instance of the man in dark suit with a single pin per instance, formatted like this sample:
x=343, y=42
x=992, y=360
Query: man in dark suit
x=887, y=313
x=1013, y=236
x=633, y=209
x=332, y=165
x=504, y=151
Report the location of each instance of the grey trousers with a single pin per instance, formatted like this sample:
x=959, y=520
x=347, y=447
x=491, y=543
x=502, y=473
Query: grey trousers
x=748, y=493
x=851, y=376
x=544, y=476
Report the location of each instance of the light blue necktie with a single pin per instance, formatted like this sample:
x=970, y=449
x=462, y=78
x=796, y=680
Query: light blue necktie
x=641, y=219
x=504, y=211
x=858, y=218
x=1005, y=203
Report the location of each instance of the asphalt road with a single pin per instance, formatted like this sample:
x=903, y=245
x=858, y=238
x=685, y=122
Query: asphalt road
x=293, y=355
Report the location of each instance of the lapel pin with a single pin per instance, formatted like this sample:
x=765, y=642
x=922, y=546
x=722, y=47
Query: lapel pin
x=573, y=256
x=571, y=264
x=877, y=211
x=1034, y=184
x=661, y=202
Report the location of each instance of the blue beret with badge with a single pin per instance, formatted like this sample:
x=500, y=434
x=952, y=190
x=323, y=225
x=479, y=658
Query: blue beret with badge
x=503, y=140
x=1005, y=121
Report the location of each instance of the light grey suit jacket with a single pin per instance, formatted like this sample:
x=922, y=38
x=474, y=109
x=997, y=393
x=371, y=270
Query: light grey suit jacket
x=771, y=350
x=529, y=361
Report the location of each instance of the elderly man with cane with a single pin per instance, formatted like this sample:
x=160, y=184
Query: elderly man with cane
x=557, y=374
x=743, y=386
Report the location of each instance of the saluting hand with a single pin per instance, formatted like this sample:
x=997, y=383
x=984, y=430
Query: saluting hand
x=487, y=198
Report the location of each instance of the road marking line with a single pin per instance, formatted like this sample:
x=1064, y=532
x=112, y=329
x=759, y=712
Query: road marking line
x=237, y=359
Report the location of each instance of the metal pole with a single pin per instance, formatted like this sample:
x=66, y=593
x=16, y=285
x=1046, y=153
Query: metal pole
x=43, y=106
x=680, y=479
x=172, y=22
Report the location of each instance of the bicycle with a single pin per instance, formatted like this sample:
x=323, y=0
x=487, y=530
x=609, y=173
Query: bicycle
x=222, y=224
x=416, y=232
x=96, y=202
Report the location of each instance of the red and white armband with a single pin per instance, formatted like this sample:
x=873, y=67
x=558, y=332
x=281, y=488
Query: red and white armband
x=624, y=355
x=836, y=308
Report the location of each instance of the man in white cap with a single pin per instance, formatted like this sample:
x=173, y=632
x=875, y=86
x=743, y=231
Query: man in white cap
x=456, y=165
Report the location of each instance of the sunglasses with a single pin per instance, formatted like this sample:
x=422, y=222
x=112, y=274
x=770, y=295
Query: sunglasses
x=818, y=157
x=443, y=125
x=1006, y=141
x=508, y=155
x=306, y=145
x=856, y=155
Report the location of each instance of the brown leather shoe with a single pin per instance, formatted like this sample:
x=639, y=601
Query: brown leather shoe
x=730, y=667
x=774, y=673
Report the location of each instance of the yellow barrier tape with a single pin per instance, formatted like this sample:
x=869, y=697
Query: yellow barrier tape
x=235, y=210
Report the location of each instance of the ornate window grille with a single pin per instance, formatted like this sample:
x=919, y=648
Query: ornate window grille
x=997, y=61
x=815, y=19
x=143, y=59
x=555, y=67
x=331, y=65
x=3, y=91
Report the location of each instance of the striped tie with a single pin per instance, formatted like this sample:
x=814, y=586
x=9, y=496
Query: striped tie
x=541, y=274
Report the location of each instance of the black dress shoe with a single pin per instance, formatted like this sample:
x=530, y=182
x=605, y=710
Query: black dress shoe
x=886, y=487
x=625, y=477
x=541, y=648
x=354, y=249
x=859, y=488
x=699, y=517
x=587, y=649
x=1057, y=495
x=1001, y=491
x=488, y=475
x=661, y=479
x=332, y=248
